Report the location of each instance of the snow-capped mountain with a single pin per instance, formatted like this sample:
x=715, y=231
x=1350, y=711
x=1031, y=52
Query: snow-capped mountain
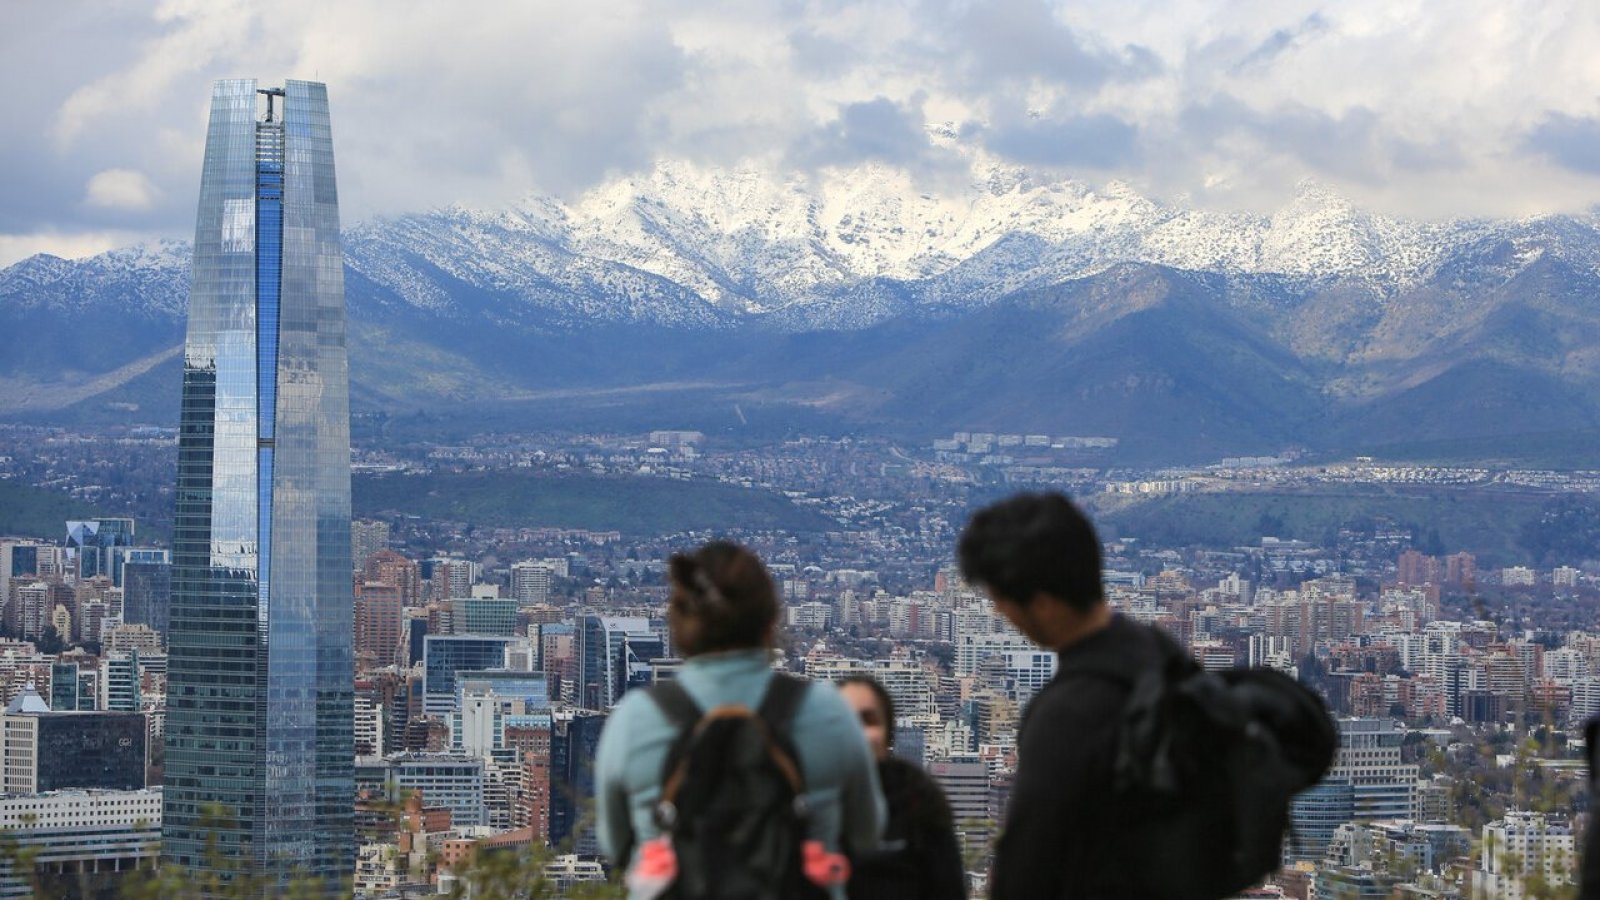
x=686, y=245
x=864, y=283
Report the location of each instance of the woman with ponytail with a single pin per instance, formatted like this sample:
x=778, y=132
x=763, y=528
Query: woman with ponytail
x=722, y=617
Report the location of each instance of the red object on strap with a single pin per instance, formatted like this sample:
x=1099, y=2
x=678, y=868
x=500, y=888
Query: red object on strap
x=824, y=869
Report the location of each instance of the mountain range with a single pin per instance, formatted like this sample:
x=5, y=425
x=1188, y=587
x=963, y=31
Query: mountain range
x=853, y=299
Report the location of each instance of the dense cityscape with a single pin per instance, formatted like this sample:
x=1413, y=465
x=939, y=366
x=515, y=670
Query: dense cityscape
x=488, y=656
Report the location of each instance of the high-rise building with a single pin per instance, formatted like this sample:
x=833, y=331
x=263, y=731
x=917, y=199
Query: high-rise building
x=367, y=538
x=93, y=542
x=389, y=567
x=614, y=654
x=378, y=617
x=573, y=743
x=484, y=615
x=444, y=656
x=147, y=593
x=530, y=581
x=259, y=724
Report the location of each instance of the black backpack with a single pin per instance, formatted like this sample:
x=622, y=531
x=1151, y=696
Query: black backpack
x=1204, y=769
x=733, y=797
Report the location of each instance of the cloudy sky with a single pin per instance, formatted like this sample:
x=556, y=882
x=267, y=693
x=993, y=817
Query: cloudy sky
x=1412, y=107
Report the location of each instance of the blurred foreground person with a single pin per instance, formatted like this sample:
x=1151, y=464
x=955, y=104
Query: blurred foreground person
x=1589, y=854
x=920, y=858
x=1138, y=774
x=731, y=780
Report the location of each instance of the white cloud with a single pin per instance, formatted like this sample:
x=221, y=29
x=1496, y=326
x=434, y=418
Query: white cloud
x=75, y=245
x=120, y=189
x=1412, y=106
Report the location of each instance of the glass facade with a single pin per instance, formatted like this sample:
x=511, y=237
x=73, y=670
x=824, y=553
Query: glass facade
x=91, y=750
x=445, y=655
x=614, y=654
x=147, y=594
x=259, y=735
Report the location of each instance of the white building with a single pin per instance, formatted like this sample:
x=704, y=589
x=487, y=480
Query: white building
x=973, y=647
x=910, y=685
x=1522, y=845
x=812, y=616
x=70, y=832
x=450, y=780
x=530, y=581
x=1518, y=576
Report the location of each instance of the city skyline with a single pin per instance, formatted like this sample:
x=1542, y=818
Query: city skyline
x=259, y=739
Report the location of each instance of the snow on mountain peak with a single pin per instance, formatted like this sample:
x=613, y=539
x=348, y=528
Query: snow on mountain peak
x=692, y=245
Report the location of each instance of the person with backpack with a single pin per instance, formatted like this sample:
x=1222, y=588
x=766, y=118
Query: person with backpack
x=1138, y=773
x=920, y=857
x=732, y=781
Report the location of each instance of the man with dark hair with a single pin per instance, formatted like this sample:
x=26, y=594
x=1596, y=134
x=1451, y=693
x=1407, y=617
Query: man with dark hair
x=1037, y=557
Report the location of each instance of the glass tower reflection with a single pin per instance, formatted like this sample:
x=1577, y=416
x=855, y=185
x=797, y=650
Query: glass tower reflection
x=260, y=747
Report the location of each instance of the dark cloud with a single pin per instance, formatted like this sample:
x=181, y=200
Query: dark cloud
x=1572, y=143
x=1100, y=141
x=1355, y=145
x=1281, y=41
x=1011, y=40
x=879, y=130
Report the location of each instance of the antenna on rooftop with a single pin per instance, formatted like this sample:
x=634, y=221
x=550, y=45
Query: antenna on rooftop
x=270, y=92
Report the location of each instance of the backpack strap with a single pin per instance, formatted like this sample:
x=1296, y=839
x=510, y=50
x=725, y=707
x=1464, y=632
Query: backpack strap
x=782, y=701
x=777, y=710
x=676, y=704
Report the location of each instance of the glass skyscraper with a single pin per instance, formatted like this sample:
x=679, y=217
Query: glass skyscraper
x=259, y=733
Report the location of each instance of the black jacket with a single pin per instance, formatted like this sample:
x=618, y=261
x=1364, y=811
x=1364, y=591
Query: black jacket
x=1061, y=830
x=920, y=858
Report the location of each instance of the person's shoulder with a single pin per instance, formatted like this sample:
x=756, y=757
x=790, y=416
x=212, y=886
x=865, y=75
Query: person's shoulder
x=822, y=710
x=913, y=794
x=635, y=708
x=818, y=697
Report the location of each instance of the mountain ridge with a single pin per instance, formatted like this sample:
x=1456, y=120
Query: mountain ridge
x=1327, y=318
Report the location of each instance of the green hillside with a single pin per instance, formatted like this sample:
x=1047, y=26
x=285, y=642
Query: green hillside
x=639, y=506
x=28, y=511
x=1487, y=523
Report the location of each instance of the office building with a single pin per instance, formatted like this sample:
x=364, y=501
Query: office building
x=573, y=742
x=378, y=616
x=42, y=751
x=119, y=682
x=147, y=593
x=93, y=542
x=259, y=721
x=614, y=654
x=452, y=781
x=446, y=655
x=81, y=843
x=69, y=688
x=484, y=615
x=965, y=782
x=1367, y=783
